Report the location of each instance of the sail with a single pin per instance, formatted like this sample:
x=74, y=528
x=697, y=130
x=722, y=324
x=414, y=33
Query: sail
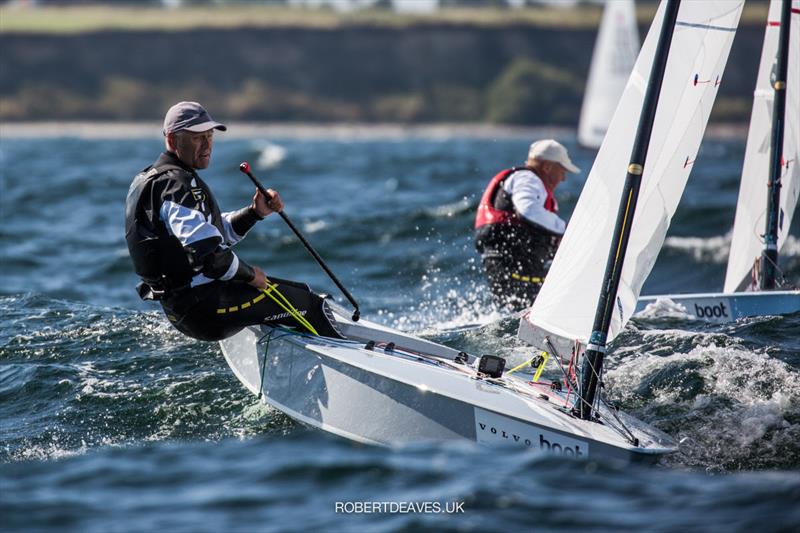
x=751, y=209
x=614, y=55
x=565, y=306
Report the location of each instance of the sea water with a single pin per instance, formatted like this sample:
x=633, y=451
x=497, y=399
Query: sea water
x=110, y=420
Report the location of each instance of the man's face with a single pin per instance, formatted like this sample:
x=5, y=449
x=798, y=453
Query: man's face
x=561, y=172
x=194, y=149
x=557, y=173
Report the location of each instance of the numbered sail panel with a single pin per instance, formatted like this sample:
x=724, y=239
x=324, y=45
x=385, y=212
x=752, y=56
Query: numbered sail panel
x=694, y=72
x=751, y=209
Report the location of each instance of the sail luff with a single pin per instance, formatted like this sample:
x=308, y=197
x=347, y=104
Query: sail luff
x=593, y=360
x=769, y=256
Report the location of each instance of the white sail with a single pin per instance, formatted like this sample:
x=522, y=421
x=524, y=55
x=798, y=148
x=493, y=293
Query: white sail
x=612, y=61
x=565, y=307
x=751, y=209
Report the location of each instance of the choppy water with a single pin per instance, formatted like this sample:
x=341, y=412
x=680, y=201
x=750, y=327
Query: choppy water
x=112, y=421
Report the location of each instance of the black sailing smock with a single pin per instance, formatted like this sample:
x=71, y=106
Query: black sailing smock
x=180, y=243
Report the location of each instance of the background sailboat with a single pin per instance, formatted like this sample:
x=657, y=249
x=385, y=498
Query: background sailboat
x=564, y=310
x=612, y=61
x=752, y=209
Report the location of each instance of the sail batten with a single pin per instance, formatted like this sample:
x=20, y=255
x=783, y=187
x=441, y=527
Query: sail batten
x=565, y=307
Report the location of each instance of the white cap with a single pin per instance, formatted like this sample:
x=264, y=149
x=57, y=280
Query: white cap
x=550, y=150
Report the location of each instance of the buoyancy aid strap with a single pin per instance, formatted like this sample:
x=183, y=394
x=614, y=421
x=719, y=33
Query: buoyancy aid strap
x=487, y=212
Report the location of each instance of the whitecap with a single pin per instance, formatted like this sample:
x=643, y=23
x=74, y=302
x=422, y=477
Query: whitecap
x=703, y=249
x=271, y=155
x=315, y=226
x=451, y=209
x=748, y=391
x=664, y=308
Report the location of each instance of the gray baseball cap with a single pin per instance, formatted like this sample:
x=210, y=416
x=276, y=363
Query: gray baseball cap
x=189, y=116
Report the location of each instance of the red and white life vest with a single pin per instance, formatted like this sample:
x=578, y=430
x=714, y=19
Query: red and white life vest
x=496, y=206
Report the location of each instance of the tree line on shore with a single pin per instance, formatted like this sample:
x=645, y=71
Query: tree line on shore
x=430, y=73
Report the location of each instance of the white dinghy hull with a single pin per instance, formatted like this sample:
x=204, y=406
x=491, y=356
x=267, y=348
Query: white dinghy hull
x=398, y=396
x=720, y=308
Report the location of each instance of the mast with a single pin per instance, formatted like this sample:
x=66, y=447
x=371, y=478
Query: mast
x=595, y=352
x=769, y=256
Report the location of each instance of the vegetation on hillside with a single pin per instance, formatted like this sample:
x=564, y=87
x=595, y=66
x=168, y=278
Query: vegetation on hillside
x=251, y=63
x=77, y=19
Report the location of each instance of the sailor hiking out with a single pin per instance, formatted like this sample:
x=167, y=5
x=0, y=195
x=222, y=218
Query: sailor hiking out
x=180, y=243
x=517, y=227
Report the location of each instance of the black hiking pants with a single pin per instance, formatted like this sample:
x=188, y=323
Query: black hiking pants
x=220, y=309
x=510, y=285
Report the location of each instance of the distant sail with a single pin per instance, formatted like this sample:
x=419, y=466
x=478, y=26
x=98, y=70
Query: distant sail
x=751, y=209
x=565, y=307
x=613, y=59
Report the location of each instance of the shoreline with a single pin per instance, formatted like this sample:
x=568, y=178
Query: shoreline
x=317, y=131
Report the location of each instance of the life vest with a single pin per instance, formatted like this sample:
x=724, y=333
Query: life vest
x=496, y=206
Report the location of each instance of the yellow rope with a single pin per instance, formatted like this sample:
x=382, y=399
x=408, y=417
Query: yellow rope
x=526, y=363
x=539, y=369
x=288, y=307
x=283, y=303
x=538, y=373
